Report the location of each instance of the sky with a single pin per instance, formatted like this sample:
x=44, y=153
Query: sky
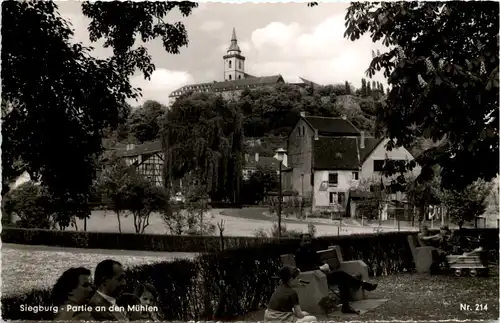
x=290, y=39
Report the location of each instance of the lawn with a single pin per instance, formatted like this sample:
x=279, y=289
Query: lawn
x=28, y=267
x=421, y=297
x=238, y=222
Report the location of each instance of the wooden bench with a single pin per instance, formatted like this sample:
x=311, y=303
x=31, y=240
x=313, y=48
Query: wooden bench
x=422, y=255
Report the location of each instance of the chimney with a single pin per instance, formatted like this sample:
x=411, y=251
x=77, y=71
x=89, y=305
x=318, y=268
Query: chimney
x=316, y=136
x=256, y=157
x=362, y=140
x=302, y=114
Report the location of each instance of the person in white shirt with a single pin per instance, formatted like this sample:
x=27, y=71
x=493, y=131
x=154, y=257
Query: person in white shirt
x=109, y=278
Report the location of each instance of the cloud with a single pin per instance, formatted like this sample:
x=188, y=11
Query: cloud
x=320, y=54
x=211, y=25
x=162, y=83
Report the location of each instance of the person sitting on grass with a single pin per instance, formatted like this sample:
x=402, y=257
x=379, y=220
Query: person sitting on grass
x=307, y=259
x=71, y=292
x=284, y=304
x=148, y=296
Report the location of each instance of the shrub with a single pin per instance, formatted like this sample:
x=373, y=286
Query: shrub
x=32, y=204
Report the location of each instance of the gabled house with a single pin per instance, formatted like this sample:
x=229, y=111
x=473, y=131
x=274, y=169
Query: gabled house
x=329, y=156
x=147, y=158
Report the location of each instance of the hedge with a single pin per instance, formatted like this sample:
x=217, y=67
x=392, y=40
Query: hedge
x=125, y=241
x=226, y=285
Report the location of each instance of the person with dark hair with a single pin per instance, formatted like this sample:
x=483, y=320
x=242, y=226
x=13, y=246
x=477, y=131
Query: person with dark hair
x=131, y=307
x=71, y=293
x=307, y=259
x=284, y=303
x=148, y=296
x=109, y=278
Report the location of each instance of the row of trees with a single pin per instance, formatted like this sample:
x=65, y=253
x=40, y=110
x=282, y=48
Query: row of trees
x=121, y=190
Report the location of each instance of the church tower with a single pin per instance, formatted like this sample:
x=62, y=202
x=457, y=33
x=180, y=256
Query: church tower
x=234, y=62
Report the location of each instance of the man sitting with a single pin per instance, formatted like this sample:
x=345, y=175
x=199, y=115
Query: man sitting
x=307, y=259
x=440, y=242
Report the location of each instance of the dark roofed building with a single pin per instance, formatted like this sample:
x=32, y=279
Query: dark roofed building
x=328, y=157
x=332, y=126
x=235, y=78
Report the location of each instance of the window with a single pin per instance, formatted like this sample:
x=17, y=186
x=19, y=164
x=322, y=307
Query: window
x=229, y=64
x=341, y=198
x=355, y=176
x=300, y=131
x=378, y=165
x=239, y=77
x=333, y=197
x=333, y=179
x=230, y=77
x=239, y=64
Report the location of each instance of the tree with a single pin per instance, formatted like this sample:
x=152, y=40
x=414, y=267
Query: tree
x=368, y=89
x=191, y=218
x=45, y=74
x=375, y=201
x=444, y=84
x=206, y=138
x=112, y=187
x=32, y=204
x=144, y=123
x=466, y=205
x=144, y=198
x=363, y=87
x=347, y=88
x=421, y=194
x=259, y=183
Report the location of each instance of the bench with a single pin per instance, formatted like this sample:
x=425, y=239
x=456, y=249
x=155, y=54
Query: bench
x=473, y=265
x=422, y=255
x=333, y=257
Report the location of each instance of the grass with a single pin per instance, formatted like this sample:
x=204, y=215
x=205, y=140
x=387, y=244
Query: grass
x=28, y=267
x=421, y=297
x=237, y=223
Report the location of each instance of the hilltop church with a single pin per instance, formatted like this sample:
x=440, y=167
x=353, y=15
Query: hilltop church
x=235, y=78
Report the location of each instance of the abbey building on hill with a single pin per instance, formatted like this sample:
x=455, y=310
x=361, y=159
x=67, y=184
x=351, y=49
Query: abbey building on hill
x=235, y=77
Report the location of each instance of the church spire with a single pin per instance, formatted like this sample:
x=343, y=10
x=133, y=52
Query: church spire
x=234, y=43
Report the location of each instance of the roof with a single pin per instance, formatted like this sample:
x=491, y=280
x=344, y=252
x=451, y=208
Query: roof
x=370, y=145
x=231, y=85
x=332, y=126
x=263, y=162
x=142, y=149
x=234, y=43
x=264, y=80
x=338, y=153
x=341, y=153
